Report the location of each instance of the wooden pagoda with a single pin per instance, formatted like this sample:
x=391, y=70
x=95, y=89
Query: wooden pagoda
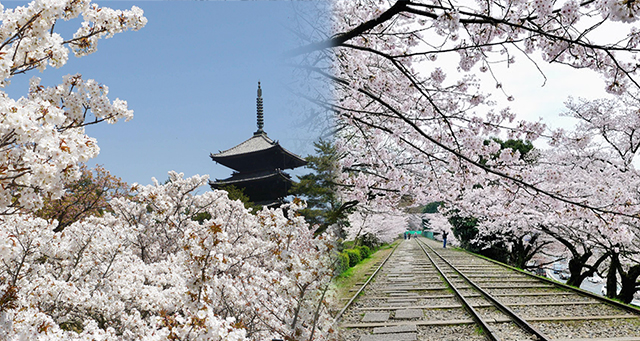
x=258, y=165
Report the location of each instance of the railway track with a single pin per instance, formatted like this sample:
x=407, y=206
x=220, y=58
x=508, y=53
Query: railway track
x=424, y=292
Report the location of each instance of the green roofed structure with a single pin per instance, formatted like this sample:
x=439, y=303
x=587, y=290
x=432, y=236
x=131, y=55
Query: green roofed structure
x=258, y=165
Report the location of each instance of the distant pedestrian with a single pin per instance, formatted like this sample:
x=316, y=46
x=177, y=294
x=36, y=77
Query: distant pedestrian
x=444, y=239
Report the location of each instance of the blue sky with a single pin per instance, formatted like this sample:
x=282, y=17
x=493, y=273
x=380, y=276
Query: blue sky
x=191, y=77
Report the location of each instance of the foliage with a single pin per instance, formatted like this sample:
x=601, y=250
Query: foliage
x=149, y=271
x=343, y=262
x=465, y=229
x=432, y=207
x=354, y=256
x=87, y=196
x=521, y=147
x=324, y=208
x=370, y=240
x=236, y=193
x=365, y=251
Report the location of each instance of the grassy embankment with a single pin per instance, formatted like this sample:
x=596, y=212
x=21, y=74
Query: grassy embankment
x=355, y=275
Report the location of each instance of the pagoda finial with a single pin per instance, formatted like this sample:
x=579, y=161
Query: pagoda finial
x=260, y=113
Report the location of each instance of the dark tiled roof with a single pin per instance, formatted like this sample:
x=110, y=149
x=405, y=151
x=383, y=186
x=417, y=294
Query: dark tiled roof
x=237, y=178
x=256, y=143
x=258, y=152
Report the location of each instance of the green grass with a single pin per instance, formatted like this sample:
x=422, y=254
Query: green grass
x=344, y=282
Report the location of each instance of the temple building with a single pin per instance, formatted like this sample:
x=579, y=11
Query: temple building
x=258, y=165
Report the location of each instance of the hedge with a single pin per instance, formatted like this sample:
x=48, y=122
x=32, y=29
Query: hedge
x=343, y=262
x=365, y=251
x=354, y=256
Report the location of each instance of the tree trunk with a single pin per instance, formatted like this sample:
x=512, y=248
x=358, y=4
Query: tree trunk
x=612, y=278
x=576, y=264
x=628, y=280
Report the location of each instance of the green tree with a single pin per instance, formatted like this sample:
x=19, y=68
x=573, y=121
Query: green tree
x=236, y=193
x=319, y=189
x=522, y=146
x=464, y=229
x=431, y=207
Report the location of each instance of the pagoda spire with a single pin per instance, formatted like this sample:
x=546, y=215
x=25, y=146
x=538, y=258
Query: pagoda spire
x=260, y=113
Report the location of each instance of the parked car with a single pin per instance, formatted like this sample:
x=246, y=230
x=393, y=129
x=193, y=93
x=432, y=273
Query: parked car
x=540, y=272
x=565, y=275
x=557, y=268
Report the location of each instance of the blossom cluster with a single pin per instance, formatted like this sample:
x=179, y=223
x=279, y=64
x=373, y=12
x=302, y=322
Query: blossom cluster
x=386, y=226
x=167, y=264
x=164, y=264
x=411, y=131
x=42, y=137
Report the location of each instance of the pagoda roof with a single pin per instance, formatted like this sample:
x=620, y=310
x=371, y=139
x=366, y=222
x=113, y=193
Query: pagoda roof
x=241, y=178
x=258, y=153
x=256, y=143
x=259, y=186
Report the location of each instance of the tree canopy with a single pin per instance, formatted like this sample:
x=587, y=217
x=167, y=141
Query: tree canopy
x=320, y=189
x=409, y=125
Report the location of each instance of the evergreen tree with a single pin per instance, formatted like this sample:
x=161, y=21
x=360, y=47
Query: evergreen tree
x=324, y=208
x=235, y=193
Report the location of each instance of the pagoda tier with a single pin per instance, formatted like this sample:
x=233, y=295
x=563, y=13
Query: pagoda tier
x=263, y=188
x=258, y=164
x=259, y=153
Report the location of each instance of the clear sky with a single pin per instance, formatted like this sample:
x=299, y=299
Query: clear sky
x=191, y=77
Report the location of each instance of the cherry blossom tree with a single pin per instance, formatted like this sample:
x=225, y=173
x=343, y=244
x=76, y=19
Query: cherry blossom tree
x=409, y=127
x=150, y=271
x=386, y=225
x=438, y=223
x=592, y=162
x=89, y=195
x=42, y=137
x=405, y=121
x=166, y=263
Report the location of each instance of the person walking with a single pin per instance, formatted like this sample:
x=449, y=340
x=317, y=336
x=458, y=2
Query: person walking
x=444, y=239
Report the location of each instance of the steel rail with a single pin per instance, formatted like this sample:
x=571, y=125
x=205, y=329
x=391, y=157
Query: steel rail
x=474, y=314
x=515, y=317
x=335, y=319
x=580, y=291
